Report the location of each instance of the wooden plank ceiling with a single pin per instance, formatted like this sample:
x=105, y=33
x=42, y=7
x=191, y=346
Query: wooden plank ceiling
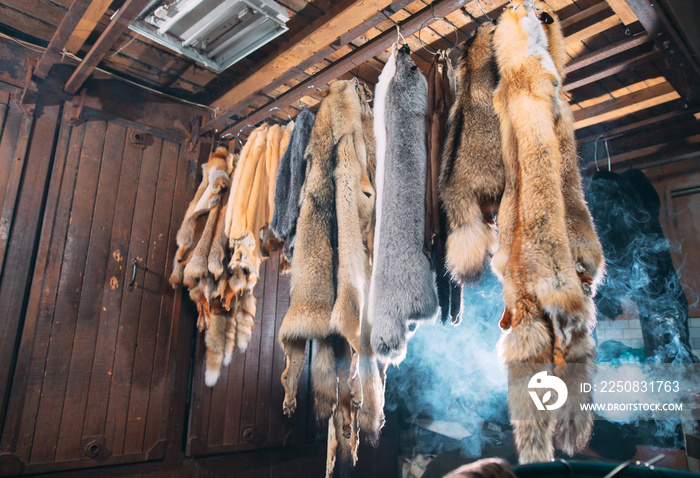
x=628, y=77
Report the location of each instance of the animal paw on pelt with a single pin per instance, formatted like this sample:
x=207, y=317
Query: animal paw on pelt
x=389, y=340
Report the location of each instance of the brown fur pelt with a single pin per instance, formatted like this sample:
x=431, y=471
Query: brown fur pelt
x=471, y=176
x=441, y=96
x=549, y=256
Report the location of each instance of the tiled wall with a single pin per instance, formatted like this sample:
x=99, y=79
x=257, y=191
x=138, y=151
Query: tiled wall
x=629, y=332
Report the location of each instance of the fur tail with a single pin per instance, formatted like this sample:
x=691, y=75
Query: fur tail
x=230, y=341
x=215, y=338
x=245, y=314
x=325, y=378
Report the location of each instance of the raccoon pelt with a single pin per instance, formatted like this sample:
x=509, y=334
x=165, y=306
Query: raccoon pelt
x=290, y=180
x=404, y=285
x=330, y=263
x=472, y=177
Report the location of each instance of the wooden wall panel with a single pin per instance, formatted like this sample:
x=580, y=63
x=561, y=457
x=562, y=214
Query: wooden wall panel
x=21, y=219
x=243, y=411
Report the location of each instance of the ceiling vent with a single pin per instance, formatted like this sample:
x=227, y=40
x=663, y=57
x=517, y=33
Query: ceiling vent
x=214, y=33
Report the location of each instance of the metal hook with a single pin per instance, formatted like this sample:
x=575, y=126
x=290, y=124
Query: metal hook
x=218, y=143
x=276, y=108
x=608, y=153
x=444, y=20
x=595, y=152
x=301, y=93
x=482, y=11
x=247, y=125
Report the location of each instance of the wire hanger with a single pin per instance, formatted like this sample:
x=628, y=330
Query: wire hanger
x=595, y=152
x=276, y=108
x=247, y=125
x=433, y=17
x=301, y=93
x=484, y=12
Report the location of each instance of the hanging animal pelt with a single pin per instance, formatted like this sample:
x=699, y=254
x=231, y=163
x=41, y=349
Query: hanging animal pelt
x=215, y=178
x=404, y=285
x=330, y=271
x=441, y=96
x=472, y=178
x=290, y=180
x=549, y=271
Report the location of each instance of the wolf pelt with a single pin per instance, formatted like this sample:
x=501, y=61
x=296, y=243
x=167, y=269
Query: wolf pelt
x=330, y=264
x=404, y=283
x=472, y=178
x=548, y=281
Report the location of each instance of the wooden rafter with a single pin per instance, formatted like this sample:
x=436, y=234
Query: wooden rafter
x=87, y=24
x=607, y=52
x=625, y=105
x=637, y=125
x=613, y=70
x=680, y=68
x=343, y=40
x=116, y=27
x=654, y=155
x=623, y=11
x=53, y=52
x=356, y=57
x=321, y=33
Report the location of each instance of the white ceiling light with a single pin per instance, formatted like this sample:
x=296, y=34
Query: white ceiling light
x=215, y=33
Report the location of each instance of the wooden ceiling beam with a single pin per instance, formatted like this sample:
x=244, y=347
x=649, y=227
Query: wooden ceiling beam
x=116, y=27
x=607, y=52
x=317, y=36
x=651, y=156
x=87, y=24
x=591, y=31
x=623, y=11
x=344, y=39
x=680, y=68
x=613, y=70
x=350, y=61
x=584, y=15
x=625, y=105
x=52, y=55
x=637, y=125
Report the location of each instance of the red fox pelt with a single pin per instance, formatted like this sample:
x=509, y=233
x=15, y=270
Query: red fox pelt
x=471, y=177
x=549, y=257
x=215, y=178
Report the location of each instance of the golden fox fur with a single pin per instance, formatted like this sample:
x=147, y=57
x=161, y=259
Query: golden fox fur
x=471, y=177
x=549, y=256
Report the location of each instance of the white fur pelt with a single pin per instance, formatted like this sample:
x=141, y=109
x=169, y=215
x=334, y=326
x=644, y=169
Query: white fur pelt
x=404, y=283
x=379, y=126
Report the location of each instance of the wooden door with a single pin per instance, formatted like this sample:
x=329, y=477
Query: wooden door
x=95, y=361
